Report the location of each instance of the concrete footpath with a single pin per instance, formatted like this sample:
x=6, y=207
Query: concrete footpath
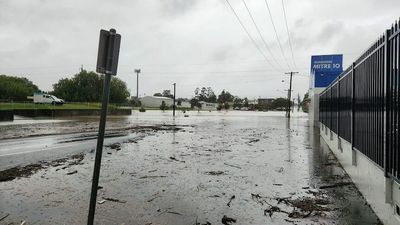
x=208, y=168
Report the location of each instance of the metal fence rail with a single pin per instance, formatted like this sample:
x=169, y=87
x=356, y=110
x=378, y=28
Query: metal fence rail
x=345, y=105
x=369, y=108
x=362, y=105
x=392, y=113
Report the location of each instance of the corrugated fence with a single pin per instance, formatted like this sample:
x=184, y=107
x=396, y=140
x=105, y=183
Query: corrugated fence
x=362, y=104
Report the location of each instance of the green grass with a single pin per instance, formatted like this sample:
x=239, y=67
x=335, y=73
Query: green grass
x=10, y=106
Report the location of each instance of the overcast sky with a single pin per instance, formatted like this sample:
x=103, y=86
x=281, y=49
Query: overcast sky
x=194, y=43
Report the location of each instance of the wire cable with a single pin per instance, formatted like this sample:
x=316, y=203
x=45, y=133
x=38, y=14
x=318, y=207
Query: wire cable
x=288, y=33
x=248, y=34
x=261, y=36
x=276, y=34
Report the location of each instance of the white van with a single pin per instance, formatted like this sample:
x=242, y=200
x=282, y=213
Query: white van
x=47, y=99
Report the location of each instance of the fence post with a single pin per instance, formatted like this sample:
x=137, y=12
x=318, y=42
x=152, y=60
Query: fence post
x=387, y=129
x=338, y=115
x=387, y=103
x=353, y=89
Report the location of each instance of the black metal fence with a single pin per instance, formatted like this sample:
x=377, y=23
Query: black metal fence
x=362, y=104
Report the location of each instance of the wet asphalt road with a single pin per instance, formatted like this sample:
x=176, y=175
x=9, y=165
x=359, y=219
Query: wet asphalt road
x=184, y=176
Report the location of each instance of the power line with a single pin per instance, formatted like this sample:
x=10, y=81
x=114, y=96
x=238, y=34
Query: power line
x=248, y=34
x=212, y=72
x=287, y=30
x=276, y=34
x=261, y=36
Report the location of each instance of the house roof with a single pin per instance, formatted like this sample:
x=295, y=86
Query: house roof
x=157, y=97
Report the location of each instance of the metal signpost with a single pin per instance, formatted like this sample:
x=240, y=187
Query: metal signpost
x=174, y=106
x=107, y=62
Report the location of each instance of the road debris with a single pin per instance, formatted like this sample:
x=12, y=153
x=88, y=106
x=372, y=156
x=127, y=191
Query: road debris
x=233, y=166
x=176, y=213
x=227, y=220
x=72, y=172
x=230, y=200
x=114, y=200
x=2, y=218
x=26, y=171
x=253, y=140
x=116, y=146
x=175, y=159
x=301, y=207
x=145, y=177
x=215, y=173
x=340, y=184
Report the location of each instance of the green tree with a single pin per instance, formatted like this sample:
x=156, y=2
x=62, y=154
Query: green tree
x=245, y=102
x=88, y=87
x=16, y=88
x=163, y=106
x=226, y=105
x=157, y=94
x=305, y=103
x=225, y=96
x=167, y=93
x=205, y=94
x=237, y=102
x=280, y=103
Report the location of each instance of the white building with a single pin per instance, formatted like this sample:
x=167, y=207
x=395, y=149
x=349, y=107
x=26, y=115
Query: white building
x=184, y=104
x=208, y=105
x=155, y=101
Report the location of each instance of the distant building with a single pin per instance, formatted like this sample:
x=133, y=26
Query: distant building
x=184, y=104
x=208, y=105
x=253, y=104
x=155, y=101
x=265, y=103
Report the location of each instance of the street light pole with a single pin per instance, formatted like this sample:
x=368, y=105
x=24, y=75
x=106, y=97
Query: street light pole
x=290, y=92
x=137, y=71
x=173, y=107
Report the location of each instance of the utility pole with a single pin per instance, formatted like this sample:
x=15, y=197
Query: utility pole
x=137, y=71
x=290, y=92
x=173, y=107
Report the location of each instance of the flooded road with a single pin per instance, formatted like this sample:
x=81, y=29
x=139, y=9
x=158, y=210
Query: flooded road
x=208, y=168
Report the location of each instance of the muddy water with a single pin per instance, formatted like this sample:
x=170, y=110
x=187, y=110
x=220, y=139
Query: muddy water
x=270, y=171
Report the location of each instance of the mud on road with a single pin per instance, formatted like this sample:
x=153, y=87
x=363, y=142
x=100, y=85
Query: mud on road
x=226, y=168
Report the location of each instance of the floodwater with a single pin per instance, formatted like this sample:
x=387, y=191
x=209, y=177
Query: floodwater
x=208, y=168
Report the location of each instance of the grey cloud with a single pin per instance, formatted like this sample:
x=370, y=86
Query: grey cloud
x=177, y=7
x=329, y=31
x=181, y=32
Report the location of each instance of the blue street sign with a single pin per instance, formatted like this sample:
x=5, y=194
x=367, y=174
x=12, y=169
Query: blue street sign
x=325, y=69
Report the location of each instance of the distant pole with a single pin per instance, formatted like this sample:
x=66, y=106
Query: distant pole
x=173, y=107
x=290, y=92
x=137, y=71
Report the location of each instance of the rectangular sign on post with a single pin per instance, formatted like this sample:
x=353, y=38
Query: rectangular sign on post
x=107, y=62
x=107, y=57
x=325, y=69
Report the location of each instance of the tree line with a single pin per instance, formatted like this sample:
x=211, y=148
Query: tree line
x=16, y=88
x=82, y=87
x=87, y=86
